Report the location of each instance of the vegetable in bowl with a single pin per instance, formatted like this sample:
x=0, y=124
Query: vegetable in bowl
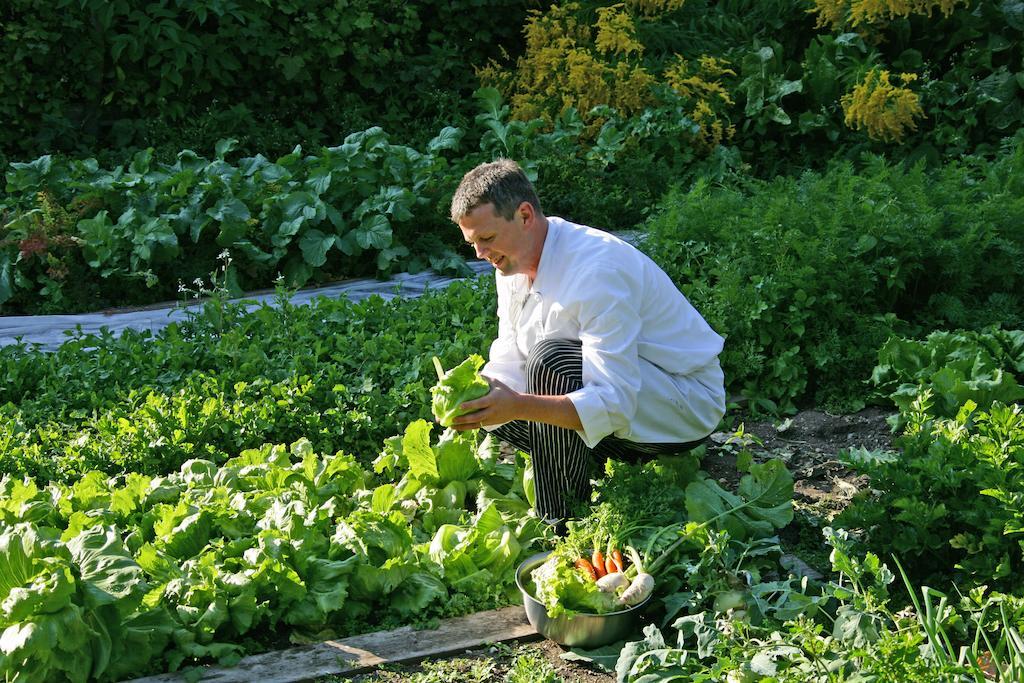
x=574, y=629
x=568, y=586
x=566, y=590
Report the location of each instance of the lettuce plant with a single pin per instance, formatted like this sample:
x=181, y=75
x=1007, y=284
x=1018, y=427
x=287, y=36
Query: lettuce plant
x=454, y=387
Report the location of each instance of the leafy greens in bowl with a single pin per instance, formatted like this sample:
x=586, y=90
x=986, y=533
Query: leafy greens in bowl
x=565, y=591
x=577, y=629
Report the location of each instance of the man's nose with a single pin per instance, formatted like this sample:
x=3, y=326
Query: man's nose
x=480, y=251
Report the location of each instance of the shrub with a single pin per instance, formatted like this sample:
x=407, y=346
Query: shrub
x=87, y=74
x=807, y=276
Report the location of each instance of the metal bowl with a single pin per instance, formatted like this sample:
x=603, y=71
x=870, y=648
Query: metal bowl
x=585, y=631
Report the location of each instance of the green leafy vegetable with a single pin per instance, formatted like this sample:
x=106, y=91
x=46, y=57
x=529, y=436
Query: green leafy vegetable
x=456, y=386
x=764, y=502
x=565, y=591
x=956, y=366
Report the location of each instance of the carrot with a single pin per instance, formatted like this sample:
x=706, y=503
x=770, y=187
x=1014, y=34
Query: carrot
x=584, y=565
x=610, y=567
x=598, y=561
x=617, y=556
x=987, y=665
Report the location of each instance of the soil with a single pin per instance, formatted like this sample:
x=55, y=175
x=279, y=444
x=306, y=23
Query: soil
x=808, y=442
x=490, y=664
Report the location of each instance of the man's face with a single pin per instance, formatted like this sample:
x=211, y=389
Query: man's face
x=502, y=243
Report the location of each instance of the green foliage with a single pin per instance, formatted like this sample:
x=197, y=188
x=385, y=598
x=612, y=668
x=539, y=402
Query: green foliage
x=955, y=484
x=356, y=209
x=955, y=367
x=780, y=102
x=365, y=207
x=345, y=375
x=806, y=277
x=764, y=84
x=467, y=669
x=129, y=68
x=611, y=180
x=531, y=668
x=855, y=635
x=174, y=75
x=701, y=27
x=109, y=577
x=953, y=496
x=970, y=65
x=762, y=503
x=967, y=64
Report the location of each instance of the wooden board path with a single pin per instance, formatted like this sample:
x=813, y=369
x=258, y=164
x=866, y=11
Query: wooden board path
x=361, y=653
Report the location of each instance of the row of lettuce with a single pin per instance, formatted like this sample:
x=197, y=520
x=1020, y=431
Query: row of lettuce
x=114, y=576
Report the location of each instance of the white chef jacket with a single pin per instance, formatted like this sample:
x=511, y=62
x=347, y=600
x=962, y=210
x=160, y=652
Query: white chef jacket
x=650, y=361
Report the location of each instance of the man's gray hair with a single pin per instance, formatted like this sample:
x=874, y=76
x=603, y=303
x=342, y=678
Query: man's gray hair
x=501, y=183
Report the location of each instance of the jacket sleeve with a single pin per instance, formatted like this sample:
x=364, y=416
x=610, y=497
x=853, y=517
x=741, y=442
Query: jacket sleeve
x=609, y=332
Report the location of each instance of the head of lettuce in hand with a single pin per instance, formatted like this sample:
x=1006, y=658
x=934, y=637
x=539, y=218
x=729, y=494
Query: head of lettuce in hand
x=460, y=384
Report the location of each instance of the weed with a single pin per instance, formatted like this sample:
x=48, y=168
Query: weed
x=532, y=667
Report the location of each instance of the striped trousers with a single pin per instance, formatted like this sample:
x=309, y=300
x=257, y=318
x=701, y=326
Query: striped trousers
x=562, y=463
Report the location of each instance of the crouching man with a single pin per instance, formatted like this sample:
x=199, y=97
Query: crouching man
x=598, y=354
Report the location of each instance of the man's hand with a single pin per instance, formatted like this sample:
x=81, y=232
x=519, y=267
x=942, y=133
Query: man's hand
x=499, y=405
x=503, y=404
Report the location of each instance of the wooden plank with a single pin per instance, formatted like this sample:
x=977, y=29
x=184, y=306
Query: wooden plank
x=361, y=653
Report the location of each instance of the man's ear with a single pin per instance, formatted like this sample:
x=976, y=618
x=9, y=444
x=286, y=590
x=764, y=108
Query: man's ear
x=527, y=211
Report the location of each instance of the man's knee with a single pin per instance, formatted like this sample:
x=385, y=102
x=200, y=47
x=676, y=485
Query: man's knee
x=555, y=366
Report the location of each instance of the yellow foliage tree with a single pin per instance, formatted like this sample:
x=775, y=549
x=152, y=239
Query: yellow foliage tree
x=707, y=97
x=885, y=110
x=570, y=64
x=836, y=14
x=616, y=32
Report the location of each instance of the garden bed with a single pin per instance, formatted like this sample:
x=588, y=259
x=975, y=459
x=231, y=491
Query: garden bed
x=808, y=442
x=492, y=646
